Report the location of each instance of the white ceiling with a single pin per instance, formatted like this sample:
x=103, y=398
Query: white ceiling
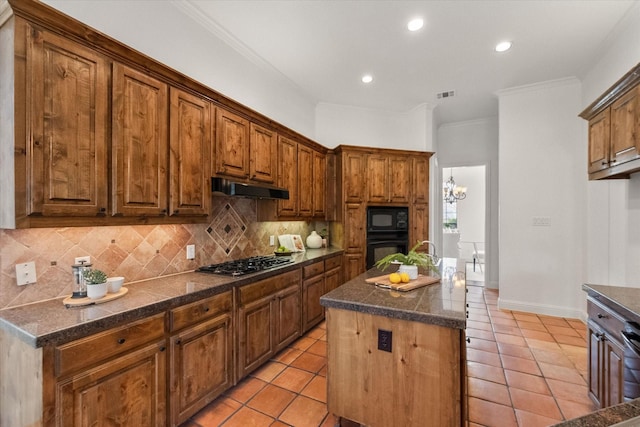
x=324, y=47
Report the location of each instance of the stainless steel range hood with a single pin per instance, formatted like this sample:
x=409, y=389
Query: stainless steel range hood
x=227, y=187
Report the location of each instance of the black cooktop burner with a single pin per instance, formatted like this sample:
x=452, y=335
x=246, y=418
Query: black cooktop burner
x=245, y=266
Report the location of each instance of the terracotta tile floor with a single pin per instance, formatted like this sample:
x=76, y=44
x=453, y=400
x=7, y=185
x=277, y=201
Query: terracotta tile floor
x=523, y=370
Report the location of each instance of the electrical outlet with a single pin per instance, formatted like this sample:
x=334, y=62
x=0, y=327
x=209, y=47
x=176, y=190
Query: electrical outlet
x=26, y=273
x=541, y=221
x=80, y=259
x=191, y=251
x=272, y=240
x=384, y=340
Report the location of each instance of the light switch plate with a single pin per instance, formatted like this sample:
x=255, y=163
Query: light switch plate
x=26, y=273
x=191, y=251
x=272, y=240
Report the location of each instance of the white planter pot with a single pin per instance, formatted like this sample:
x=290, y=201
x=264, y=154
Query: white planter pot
x=411, y=270
x=97, y=291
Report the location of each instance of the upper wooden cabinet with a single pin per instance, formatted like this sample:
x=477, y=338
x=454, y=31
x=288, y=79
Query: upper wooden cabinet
x=67, y=92
x=263, y=151
x=140, y=143
x=319, y=184
x=287, y=176
x=388, y=178
x=232, y=144
x=420, y=179
x=614, y=129
x=191, y=131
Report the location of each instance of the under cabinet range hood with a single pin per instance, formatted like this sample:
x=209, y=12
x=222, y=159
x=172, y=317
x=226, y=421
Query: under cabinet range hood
x=227, y=187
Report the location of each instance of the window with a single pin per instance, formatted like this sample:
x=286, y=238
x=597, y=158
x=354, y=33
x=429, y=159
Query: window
x=450, y=215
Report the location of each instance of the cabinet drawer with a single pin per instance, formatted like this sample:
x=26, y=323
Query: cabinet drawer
x=331, y=263
x=267, y=287
x=313, y=269
x=96, y=348
x=606, y=318
x=200, y=310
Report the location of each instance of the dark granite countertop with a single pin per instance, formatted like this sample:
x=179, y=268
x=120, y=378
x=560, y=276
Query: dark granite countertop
x=49, y=322
x=607, y=416
x=442, y=304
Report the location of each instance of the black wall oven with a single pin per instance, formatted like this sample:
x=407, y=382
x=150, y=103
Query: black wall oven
x=387, y=232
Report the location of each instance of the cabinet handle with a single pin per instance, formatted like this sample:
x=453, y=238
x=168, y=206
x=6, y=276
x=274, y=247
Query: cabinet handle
x=121, y=341
x=206, y=309
x=604, y=163
x=468, y=340
x=103, y=209
x=602, y=316
x=36, y=142
x=163, y=348
x=178, y=341
x=176, y=212
x=163, y=211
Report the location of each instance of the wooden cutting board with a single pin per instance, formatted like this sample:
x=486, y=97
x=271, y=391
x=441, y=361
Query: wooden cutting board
x=77, y=302
x=403, y=287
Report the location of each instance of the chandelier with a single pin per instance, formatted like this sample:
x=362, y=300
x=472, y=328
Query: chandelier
x=453, y=192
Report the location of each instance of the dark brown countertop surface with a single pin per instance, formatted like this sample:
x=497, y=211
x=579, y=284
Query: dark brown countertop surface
x=442, y=304
x=49, y=322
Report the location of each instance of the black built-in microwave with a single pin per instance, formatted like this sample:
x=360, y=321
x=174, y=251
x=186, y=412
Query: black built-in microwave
x=387, y=218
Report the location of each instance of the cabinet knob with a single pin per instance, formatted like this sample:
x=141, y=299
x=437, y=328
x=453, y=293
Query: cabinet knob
x=604, y=163
x=206, y=309
x=176, y=212
x=163, y=348
x=163, y=211
x=602, y=316
x=468, y=340
x=178, y=341
x=121, y=341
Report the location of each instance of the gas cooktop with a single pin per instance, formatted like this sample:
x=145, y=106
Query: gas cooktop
x=245, y=266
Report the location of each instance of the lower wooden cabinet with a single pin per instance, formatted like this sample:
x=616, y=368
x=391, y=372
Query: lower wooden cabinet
x=269, y=318
x=313, y=287
x=200, y=361
x=332, y=273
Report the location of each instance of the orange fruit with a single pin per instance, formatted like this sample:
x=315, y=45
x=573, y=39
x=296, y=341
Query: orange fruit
x=394, y=278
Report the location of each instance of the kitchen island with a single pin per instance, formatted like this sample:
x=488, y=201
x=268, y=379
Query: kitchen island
x=397, y=358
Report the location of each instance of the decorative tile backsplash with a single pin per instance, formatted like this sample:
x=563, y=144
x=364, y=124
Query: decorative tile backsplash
x=135, y=252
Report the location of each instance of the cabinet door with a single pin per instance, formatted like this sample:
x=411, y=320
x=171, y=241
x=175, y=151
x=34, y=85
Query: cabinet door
x=287, y=175
x=377, y=182
x=140, y=146
x=399, y=179
x=625, y=124
x=263, y=154
x=255, y=335
x=190, y=154
x=420, y=179
x=354, y=223
x=67, y=91
x=319, y=184
x=419, y=223
x=312, y=312
x=306, y=176
x=201, y=366
x=288, y=316
x=595, y=363
x=599, y=141
x=128, y=391
x=232, y=144
x=333, y=279
x=353, y=265
x=613, y=376
x=353, y=169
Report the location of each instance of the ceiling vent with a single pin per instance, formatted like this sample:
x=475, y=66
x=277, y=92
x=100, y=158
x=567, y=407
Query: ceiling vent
x=447, y=94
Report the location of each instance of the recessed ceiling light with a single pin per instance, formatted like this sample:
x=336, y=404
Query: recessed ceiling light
x=367, y=78
x=503, y=46
x=415, y=24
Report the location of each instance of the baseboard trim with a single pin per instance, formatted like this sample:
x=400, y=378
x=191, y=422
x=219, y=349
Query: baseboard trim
x=546, y=309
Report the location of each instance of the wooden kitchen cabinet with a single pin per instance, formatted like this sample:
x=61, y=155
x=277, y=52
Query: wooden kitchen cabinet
x=67, y=86
x=319, y=182
x=333, y=273
x=269, y=319
x=313, y=287
x=201, y=355
x=388, y=179
x=605, y=355
x=287, y=176
x=614, y=129
x=191, y=131
x=140, y=143
x=115, y=376
x=419, y=220
x=232, y=144
x=305, y=177
x=351, y=174
x=263, y=151
x=420, y=179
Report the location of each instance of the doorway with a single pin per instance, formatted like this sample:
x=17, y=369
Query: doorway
x=463, y=219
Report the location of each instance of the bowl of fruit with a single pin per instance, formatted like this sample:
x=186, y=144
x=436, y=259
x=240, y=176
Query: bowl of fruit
x=282, y=251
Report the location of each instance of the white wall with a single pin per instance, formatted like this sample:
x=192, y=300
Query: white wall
x=542, y=174
x=347, y=125
x=162, y=31
x=613, y=210
x=471, y=143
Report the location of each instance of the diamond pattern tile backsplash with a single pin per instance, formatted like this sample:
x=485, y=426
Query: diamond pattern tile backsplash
x=135, y=252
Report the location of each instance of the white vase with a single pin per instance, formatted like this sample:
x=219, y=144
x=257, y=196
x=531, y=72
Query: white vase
x=314, y=240
x=411, y=270
x=95, y=291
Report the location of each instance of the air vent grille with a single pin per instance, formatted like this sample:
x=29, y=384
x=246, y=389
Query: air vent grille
x=447, y=94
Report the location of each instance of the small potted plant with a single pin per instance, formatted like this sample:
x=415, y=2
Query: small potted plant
x=409, y=262
x=96, y=281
